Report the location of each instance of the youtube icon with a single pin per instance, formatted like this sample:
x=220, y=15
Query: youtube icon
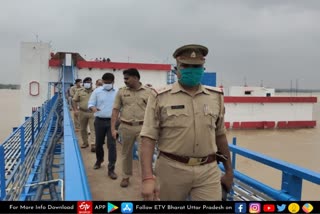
x=269, y=208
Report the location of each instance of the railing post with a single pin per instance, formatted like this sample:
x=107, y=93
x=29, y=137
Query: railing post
x=43, y=112
x=38, y=120
x=292, y=185
x=47, y=107
x=2, y=174
x=233, y=163
x=234, y=142
x=32, y=130
x=22, y=150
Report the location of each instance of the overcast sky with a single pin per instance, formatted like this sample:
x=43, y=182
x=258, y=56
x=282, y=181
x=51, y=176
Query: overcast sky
x=273, y=41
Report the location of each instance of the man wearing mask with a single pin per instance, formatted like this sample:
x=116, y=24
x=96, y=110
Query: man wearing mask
x=100, y=103
x=73, y=91
x=130, y=103
x=86, y=117
x=186, y=120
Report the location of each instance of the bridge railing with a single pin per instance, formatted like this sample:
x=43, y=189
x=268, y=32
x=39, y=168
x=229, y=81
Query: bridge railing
x=292, y=175
x=15, y=149
x=76, y=182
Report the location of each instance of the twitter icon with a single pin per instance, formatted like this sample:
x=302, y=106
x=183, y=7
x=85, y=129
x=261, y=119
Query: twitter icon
x=281, y=208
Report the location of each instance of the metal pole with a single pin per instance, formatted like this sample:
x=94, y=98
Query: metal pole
x=234, y=142
x=32, y=130
x=2, y=174
x=39, y=120
x=22, y=149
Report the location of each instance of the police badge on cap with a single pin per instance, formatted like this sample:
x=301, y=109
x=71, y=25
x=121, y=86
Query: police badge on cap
x=191, y=54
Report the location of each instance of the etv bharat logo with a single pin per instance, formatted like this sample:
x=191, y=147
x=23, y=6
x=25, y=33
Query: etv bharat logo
x=84, y=207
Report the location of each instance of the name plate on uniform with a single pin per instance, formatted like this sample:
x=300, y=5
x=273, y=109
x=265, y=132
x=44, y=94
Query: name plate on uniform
x=177, y=107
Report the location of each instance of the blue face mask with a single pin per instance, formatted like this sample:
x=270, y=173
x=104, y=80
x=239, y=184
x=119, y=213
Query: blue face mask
x=191, y=76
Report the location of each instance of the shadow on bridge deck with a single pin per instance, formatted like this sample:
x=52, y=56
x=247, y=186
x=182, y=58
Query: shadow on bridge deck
x=104, y=188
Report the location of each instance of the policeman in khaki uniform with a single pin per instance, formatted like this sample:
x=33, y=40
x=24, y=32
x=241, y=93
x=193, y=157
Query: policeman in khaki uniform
x=132, y=101
x=73, y=91
x=86, y=116
x=186, y=120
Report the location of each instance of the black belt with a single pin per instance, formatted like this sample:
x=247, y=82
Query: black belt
x=103, y=118
x=138, y=123
x=191, y=161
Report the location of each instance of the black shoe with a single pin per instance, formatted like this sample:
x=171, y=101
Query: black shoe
x=97, y=165
x=112, y=175
x=124, y=182
x=93, y=149
x=83, y=146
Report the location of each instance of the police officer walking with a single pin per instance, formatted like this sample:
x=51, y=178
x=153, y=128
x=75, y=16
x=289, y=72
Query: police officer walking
x=85, y=115
x=73, y=91
x=131, y=101
x=187, y=122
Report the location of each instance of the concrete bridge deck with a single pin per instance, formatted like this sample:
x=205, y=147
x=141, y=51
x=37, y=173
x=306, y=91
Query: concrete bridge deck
x=104, y=188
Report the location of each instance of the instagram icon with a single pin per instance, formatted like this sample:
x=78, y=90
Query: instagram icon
x=254, y=208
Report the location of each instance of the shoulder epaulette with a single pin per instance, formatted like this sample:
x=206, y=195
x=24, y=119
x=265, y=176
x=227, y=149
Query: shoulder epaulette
x=215, y=89
x=162, y=89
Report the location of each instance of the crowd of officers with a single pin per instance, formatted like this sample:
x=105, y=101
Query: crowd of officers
x=185, y=121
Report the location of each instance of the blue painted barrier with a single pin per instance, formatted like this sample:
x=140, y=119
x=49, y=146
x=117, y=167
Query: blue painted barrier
x=2, y=174
x=292, y=175
x=76, y=183
x=15, y=150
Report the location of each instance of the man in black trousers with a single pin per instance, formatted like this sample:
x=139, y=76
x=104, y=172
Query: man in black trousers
x=101, y=102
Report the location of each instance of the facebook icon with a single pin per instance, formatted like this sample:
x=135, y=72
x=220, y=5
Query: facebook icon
x=240, y=208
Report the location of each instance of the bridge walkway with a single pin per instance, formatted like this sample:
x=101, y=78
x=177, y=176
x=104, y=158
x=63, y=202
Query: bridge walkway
x=104, y=188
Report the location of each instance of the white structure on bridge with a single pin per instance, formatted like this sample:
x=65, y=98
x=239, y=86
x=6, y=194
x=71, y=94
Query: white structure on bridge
x=246, y=107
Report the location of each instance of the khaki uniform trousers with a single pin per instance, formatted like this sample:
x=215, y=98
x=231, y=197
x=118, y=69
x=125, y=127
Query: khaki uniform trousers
x=76, y=121
x=87, y=118
x=178, y=181
x=129, y=135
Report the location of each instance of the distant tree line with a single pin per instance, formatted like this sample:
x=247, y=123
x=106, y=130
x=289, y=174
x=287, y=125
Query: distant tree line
x=296, y=90
x=9, y=86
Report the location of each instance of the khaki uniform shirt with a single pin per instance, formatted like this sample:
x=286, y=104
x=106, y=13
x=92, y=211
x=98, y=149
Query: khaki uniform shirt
x=73, y=90
x=82, y=96
x=132, y=103
x=182, y=124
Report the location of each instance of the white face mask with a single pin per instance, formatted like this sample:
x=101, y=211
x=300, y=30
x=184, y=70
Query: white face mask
x=87, y=85
x=108, y=86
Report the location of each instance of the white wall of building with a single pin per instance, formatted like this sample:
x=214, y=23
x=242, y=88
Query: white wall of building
x=155, y=78
x=240, y=112
x=34, y=67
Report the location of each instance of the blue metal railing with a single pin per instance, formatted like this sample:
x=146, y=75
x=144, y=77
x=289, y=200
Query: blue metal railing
x=76, y=183
x=18, y=164
x=15, y=161
x=292, y=175
x=2, y=174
